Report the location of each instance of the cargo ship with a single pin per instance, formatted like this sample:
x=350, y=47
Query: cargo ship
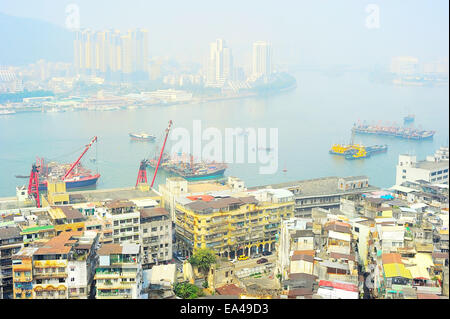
x=357, y=151
x=79, y=177
x=188, y=169
x=73, y=174
x=400, y=132
x=142, y=137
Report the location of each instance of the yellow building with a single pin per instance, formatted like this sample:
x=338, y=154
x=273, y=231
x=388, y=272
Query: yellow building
x=23, y=273
x=232, y=225
x=66, y=218
x=50, y=267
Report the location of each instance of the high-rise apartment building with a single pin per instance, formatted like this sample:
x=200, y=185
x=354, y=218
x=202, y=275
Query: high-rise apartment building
x=246, y=223
x=111, y=54
x=220, y=64
x=262, y=59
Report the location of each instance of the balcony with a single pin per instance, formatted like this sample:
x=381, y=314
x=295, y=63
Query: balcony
x=42, y=275
x=105, y=275
x=22, y=279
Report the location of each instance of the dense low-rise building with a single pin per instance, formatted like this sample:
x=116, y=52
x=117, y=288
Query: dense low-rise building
x=232, y=225
x=125, y=221
x=156, y=236
x=119, y=272
x=10, y=242
x=323, y=192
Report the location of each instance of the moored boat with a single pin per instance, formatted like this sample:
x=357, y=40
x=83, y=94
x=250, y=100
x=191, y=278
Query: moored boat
x=142, y=137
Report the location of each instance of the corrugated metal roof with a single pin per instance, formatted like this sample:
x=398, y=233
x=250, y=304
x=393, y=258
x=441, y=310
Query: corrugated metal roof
x=396, y=270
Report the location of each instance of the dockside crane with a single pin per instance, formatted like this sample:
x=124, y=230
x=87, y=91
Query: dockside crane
x=162, y=151
x=142, y=174
x=33, y=185
x=79, y=158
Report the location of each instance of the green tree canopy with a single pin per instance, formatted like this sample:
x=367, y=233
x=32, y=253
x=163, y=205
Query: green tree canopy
x=203, y=259
x=186, y=290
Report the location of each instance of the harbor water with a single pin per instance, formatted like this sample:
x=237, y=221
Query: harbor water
x=319, y=112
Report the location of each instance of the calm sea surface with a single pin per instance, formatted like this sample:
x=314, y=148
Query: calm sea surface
x=318, y=113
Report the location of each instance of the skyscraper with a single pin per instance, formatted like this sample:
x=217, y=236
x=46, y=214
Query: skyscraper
x=111, y=54
x=262, y=59
x=220, y=64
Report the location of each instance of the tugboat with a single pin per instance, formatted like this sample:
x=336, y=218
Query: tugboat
x=142, y=137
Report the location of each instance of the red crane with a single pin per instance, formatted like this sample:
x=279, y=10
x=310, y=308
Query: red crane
x=33, y=184
x=162, y=150
x=142, y=175
x=79, y=158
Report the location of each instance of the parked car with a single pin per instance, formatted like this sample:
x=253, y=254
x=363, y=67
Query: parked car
x=266, y=253
x=242, y=257
x=261, y=261
x=256, y=256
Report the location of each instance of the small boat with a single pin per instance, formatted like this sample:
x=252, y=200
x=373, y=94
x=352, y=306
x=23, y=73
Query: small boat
x=142, y=137
x=7, y=112
x=22, y=176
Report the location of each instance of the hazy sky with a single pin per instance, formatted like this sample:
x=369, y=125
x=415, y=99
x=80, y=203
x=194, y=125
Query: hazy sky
x=306, y=32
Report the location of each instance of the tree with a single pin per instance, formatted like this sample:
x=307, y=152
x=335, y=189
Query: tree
x=186, y=290
x=203, y=259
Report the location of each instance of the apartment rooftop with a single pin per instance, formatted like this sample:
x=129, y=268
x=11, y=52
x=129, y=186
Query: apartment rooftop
x=9, y=232
x=119, y=204
x=206, y=187
x=318, y=186
x=429, y=165
x=220, y=203
x=61, y=244
x=102, y=195
x=153, y=212
x=25, y=253
x=116, y=249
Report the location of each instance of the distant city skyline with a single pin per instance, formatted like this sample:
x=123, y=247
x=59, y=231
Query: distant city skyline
x=308, y=33
x=112, y=54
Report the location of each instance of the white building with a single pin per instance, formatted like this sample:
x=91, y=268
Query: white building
x=392, y=237
x=220, y=64
x=119, y=272
x=433, y=170
x=81, y=266
x=168, y=96
x=404, y=65
x=293, y=236
x=262, y=59
x=126, y=221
